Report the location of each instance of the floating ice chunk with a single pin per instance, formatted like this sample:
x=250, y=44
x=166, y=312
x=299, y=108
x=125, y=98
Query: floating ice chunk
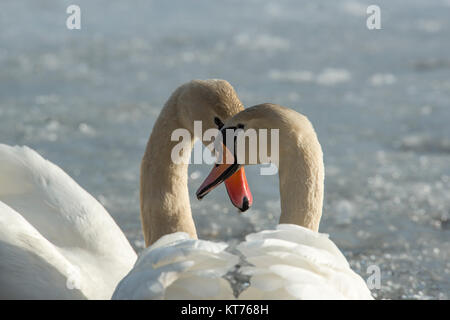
x=381, y=79
x=86, y=129
x=291, y=76
x=195, y=175
x=46, y=99
x=261, y=41
x=344, y=212
x=329, y=76
x=332, y=76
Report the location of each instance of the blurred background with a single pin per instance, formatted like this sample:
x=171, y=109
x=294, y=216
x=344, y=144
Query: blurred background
x=378, y=99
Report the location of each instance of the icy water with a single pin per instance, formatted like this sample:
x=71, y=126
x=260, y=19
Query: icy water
x=379, y=101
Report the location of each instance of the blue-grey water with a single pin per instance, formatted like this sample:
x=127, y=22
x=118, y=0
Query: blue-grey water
x=379, y=100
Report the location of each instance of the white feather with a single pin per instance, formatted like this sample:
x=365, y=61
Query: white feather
x=293, y=262
x=177, y=267
x=53, y=233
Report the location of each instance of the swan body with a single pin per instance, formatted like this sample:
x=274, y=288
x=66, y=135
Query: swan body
x=293, y=262
x=179, y=267
x=290, y=262
x=56, y=240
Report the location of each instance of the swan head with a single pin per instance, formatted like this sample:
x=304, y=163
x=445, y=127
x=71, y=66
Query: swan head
x=209, y=101
x=212, y=102
x=296, y=152
x=265, y=116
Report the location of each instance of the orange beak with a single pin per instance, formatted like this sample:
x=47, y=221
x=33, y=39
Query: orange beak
x=238, y=190
x=235, y=181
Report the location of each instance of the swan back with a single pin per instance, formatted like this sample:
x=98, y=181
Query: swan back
x=30, y=266
x=65, y=215
x=293, y=262
x=179, y=267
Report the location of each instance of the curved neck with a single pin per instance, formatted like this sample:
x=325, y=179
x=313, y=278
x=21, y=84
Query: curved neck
x=165, y=205
x=300, y=163
x=301, y=174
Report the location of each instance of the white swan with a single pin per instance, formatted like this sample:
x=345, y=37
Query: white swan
x=58, y=242
x=176, y=265
x=294, y=261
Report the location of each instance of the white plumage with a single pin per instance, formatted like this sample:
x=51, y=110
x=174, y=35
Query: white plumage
x=177, y=267
x=56, y=240
x=290, y=262
x=293, y=262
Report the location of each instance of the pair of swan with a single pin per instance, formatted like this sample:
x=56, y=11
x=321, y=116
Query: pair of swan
x=57, y=241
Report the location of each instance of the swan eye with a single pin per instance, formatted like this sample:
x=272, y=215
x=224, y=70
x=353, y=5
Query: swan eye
x=218, y=122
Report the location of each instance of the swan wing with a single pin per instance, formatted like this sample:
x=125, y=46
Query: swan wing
x=293, y=262
x=71, y=221
x=178, y=267
x=30, y=266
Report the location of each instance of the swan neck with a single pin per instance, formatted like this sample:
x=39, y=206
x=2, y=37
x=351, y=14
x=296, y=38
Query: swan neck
x=301, y=174
x=165, y=204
